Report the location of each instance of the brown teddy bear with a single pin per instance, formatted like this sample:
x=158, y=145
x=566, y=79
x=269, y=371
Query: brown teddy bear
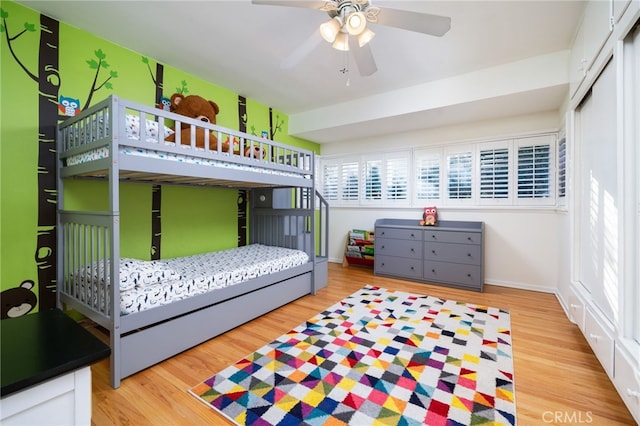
x=198, y=108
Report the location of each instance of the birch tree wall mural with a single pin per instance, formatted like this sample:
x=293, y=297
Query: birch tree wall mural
x=47, y=77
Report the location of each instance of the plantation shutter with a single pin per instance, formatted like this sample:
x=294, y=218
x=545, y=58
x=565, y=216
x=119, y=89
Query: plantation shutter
x=397, y=177
x=427, y=167
x=562, y=168
x=373, y=179
x=459, y=175
x=533, y=171
x=494, y=173
x=350, y=180
x=330, y=181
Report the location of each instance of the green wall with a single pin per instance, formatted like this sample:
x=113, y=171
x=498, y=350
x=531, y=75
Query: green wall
x=33, y=77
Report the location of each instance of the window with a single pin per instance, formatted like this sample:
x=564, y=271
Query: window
x=459, y=175
x=386, y=177
x=373, y=180
x=519, y=172
x=330, y=181
x=562, y=168
x=427, y=169
x=397, y=177
x=350, y=180
x=494, y=173
x=534, y=174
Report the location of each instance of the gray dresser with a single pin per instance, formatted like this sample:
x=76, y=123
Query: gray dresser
x=450, y=253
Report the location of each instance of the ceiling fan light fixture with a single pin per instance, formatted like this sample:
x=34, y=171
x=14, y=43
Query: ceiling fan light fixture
x=330, y=29
x=356, y=23
x=342, y=41
x=365, y=37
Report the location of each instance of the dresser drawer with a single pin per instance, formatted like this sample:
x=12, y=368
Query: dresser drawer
x=391, y=265
x=627, y=381
x=455, y=253
x=399, y=233
x=600, y=339
x=452, y=237
x=399, y=248
x=467, y=275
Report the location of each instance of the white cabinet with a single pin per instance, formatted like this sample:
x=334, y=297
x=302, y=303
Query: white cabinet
x=591, y=36
x=600, y=334
x=65, y=400
x=619, y=7
x=627, y=382
x=576, y=309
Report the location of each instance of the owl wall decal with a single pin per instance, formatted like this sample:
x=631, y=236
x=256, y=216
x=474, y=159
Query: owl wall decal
x=429, y=216
x=69, y=106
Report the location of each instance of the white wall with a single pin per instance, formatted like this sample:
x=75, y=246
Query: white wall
x=521, y=245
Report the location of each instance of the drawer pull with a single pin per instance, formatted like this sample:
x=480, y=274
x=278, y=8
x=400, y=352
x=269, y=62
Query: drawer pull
x=413, y=235
x=631, y=392
x=594, y=336
x=469, y=275
x=574, y=306
x=412, y=250
x=433, y=236
x=469, y=254
x=411, y=268
x=433, y=251
x=469, y=238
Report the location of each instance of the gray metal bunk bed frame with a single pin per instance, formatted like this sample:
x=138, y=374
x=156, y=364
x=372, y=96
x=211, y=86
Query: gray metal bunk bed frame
x=285, y=210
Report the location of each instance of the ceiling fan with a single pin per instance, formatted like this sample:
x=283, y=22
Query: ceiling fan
x=347, y=28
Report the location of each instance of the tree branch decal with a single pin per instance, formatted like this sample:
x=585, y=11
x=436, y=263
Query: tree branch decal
x=27, y=28
x=99, y=65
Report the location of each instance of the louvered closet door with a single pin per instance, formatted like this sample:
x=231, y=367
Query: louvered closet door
x=598, y=200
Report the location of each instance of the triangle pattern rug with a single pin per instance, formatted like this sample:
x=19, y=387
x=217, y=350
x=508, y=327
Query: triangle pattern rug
x=378, y=357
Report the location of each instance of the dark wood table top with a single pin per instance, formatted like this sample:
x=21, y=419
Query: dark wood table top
x=41, y=346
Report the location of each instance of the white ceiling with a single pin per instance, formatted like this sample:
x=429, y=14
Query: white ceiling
x=241, y=46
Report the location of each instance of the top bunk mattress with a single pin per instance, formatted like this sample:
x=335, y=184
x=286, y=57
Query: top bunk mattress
x=136, y=134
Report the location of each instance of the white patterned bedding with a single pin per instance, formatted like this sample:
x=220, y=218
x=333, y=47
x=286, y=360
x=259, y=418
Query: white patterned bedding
x=147, y=284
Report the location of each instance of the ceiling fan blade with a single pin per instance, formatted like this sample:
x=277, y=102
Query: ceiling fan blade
x=363, y=57
x=307, y=4
x=414, y=21
x=300, y=52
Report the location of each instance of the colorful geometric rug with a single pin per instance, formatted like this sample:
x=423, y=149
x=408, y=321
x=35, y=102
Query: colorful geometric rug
x=378, y=357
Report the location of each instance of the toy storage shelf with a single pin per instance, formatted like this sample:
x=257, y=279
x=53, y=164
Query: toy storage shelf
x=359, y=250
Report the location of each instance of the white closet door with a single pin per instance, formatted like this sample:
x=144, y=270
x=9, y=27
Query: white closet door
x=597, y=208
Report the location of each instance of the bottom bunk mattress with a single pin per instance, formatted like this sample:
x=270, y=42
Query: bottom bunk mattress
x=147, y=284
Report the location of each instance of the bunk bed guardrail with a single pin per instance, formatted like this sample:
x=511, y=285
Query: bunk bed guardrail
x=88, y=141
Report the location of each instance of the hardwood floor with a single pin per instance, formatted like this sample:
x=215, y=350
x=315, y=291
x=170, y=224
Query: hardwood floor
x=558, y=380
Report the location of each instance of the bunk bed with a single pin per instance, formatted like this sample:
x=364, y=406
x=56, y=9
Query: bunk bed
x=154, y=309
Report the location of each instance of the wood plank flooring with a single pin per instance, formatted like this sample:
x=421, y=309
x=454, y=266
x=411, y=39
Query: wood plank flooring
x=558, y=380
